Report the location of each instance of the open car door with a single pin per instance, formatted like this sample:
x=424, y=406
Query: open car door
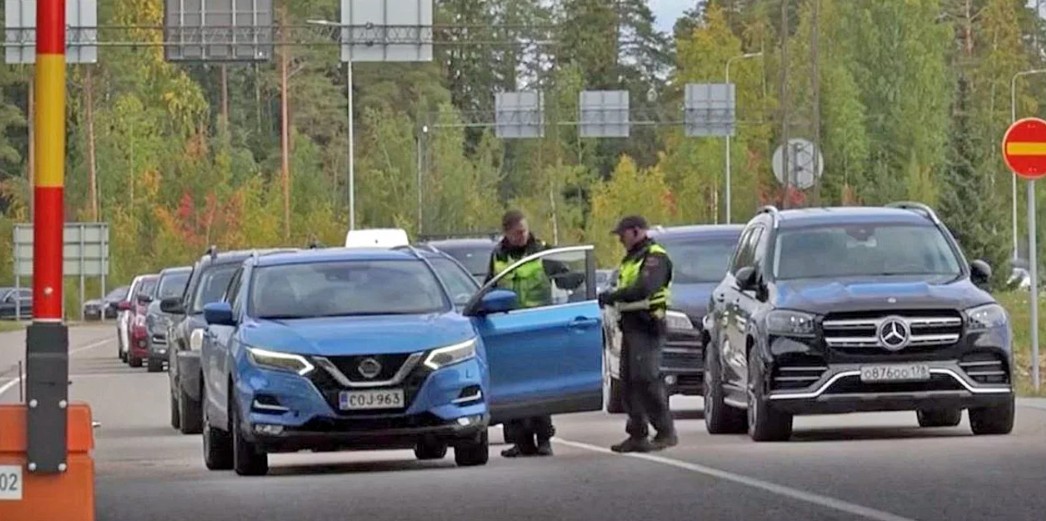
x=546, y=357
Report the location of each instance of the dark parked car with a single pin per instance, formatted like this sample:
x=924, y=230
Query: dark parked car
x=207, y=283
x=171, y=284
x=839, y=310
x=16, y=303
x=472, y=252
x=105, y=308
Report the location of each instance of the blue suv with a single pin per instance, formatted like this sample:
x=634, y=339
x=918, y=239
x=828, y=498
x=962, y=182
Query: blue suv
x=838, y=310
x=340, y=349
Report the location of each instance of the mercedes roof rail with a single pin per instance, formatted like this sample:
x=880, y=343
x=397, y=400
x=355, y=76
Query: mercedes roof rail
x=916, y=207
x=775, y=214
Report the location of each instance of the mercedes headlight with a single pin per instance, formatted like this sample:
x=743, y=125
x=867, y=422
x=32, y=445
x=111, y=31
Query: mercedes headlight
x=677, y=320
x=450, y=355
x=279, y=361
x=196, y=339
x=982, y=318
x=790, y=323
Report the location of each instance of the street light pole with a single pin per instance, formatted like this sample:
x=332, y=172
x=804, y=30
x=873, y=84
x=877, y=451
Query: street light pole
x=727, y=167
x=352, y=141
x=1013, y=118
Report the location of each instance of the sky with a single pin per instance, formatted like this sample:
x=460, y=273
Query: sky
x=666, y=12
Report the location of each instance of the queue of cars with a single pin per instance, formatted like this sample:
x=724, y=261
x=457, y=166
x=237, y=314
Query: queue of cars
x=383, y=345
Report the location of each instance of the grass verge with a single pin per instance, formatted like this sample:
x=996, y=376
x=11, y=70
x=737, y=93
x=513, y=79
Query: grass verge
x=1018, y=305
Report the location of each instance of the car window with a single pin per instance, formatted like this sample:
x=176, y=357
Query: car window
x=233, y=292
x=118, y=293
x=460, y=284
x=25, y=293
x=553, y=279
x=148, y=287
x=864, y=250
x=345, y=288
x=172, y=285
x=476, y=259
x=746, y=249
x=699, y=260
x=213, y=283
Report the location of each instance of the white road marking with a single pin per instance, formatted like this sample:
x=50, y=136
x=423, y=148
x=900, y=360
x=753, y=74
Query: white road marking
x=808, y=497
x=18, y=379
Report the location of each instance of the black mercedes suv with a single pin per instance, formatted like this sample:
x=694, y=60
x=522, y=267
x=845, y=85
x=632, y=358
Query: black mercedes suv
x=839, y=310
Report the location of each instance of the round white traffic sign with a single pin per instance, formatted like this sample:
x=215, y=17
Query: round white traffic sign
x=805, y=163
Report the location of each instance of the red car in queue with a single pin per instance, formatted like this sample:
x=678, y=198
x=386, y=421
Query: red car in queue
x=137, y=333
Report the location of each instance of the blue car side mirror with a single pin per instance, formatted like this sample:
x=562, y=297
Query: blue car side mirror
x=218, y=314
x=498, y=301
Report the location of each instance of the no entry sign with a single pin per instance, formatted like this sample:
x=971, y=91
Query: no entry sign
x=1024, y=148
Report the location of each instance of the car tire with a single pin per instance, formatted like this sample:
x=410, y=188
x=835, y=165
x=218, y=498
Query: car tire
x=123, y=357
x=190, y=414
x=133, y=361
x=176, y=422
x=217, y=445
x=473, y=452
x=154, y=365
x=248, y=459
x=720, y=418
x=764, y=423
x=430, y=450
x=995, y=420
x=939, y=417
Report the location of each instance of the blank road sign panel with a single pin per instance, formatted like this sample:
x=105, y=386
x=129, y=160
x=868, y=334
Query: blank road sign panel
x=219, y=30
x=85, y=249
x=519, y=115
x=81, y=20
x=709, y=109
x=386, y=30
x=604, y=113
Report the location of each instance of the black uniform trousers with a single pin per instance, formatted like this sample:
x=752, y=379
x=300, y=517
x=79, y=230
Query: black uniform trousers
x=522, y=432
x=645, y=396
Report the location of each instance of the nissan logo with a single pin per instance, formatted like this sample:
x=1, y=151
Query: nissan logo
x=894, y=334
x=369, y=368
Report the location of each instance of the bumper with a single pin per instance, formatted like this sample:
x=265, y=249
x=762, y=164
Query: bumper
x=682, y=362
x=840, y=390
x=335, y=435
x=158, y=346
x=189, y=373
x=288, y=412
x=92, y=314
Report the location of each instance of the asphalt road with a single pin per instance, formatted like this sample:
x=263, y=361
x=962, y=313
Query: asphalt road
x=871, y=466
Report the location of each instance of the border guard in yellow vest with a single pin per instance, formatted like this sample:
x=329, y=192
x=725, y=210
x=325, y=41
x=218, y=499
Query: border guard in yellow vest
x=642, y=296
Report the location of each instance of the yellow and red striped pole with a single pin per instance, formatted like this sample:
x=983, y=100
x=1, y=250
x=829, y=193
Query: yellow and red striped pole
x=48, y=189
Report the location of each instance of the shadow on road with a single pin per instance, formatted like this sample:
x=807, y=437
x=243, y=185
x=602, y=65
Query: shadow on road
x=879, y=433
x=360, y=467
x=689, y=414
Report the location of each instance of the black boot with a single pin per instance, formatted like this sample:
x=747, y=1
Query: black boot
x=517, y=451
x=633, y=445
x=664, y=441
x=544, y=448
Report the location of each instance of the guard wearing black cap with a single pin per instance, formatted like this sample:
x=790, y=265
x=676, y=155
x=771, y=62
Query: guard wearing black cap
x=642, y=296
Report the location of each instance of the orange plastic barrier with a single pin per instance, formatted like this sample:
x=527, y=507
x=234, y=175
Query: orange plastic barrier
x=67, y=496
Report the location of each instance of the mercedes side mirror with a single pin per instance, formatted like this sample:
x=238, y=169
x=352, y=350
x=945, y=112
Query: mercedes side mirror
x=980, y=272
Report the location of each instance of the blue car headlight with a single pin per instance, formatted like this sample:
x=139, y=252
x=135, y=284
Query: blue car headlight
x=452, y=354
x=790, y=323
x=983, y=318
x=279, y=361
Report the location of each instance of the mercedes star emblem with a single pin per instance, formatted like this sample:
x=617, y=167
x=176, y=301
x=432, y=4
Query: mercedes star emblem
x=894, y=334
x=369, y=368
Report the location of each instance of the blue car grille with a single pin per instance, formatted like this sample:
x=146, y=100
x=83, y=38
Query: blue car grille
x=349, y=365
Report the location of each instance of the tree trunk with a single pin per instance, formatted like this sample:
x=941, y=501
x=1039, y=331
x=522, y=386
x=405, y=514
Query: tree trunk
x=285, y=140
x=92, y=169
x=31, y=170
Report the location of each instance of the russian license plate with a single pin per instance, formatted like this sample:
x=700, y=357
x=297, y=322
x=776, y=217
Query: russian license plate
x=376, y=399
x=10, y=483
x=895, y=373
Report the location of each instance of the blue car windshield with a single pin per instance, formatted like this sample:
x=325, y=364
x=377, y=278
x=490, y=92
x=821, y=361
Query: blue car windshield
x=861, y=250
x=699, y=260
x=345, y=288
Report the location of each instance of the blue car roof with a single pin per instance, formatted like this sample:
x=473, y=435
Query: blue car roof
x=850, y=215
x=343, y=254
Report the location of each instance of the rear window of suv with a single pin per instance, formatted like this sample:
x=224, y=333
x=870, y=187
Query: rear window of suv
x=864, y=250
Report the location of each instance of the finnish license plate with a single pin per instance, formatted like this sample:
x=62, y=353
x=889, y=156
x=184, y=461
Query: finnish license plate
x=895, y=373
x=376, y=399
x=10, y=483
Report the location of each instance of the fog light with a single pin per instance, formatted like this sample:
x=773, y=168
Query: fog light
x=464, y=421
x=272, y=430
x=670, y=379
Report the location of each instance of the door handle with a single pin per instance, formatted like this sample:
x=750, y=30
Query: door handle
x=583, y=322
